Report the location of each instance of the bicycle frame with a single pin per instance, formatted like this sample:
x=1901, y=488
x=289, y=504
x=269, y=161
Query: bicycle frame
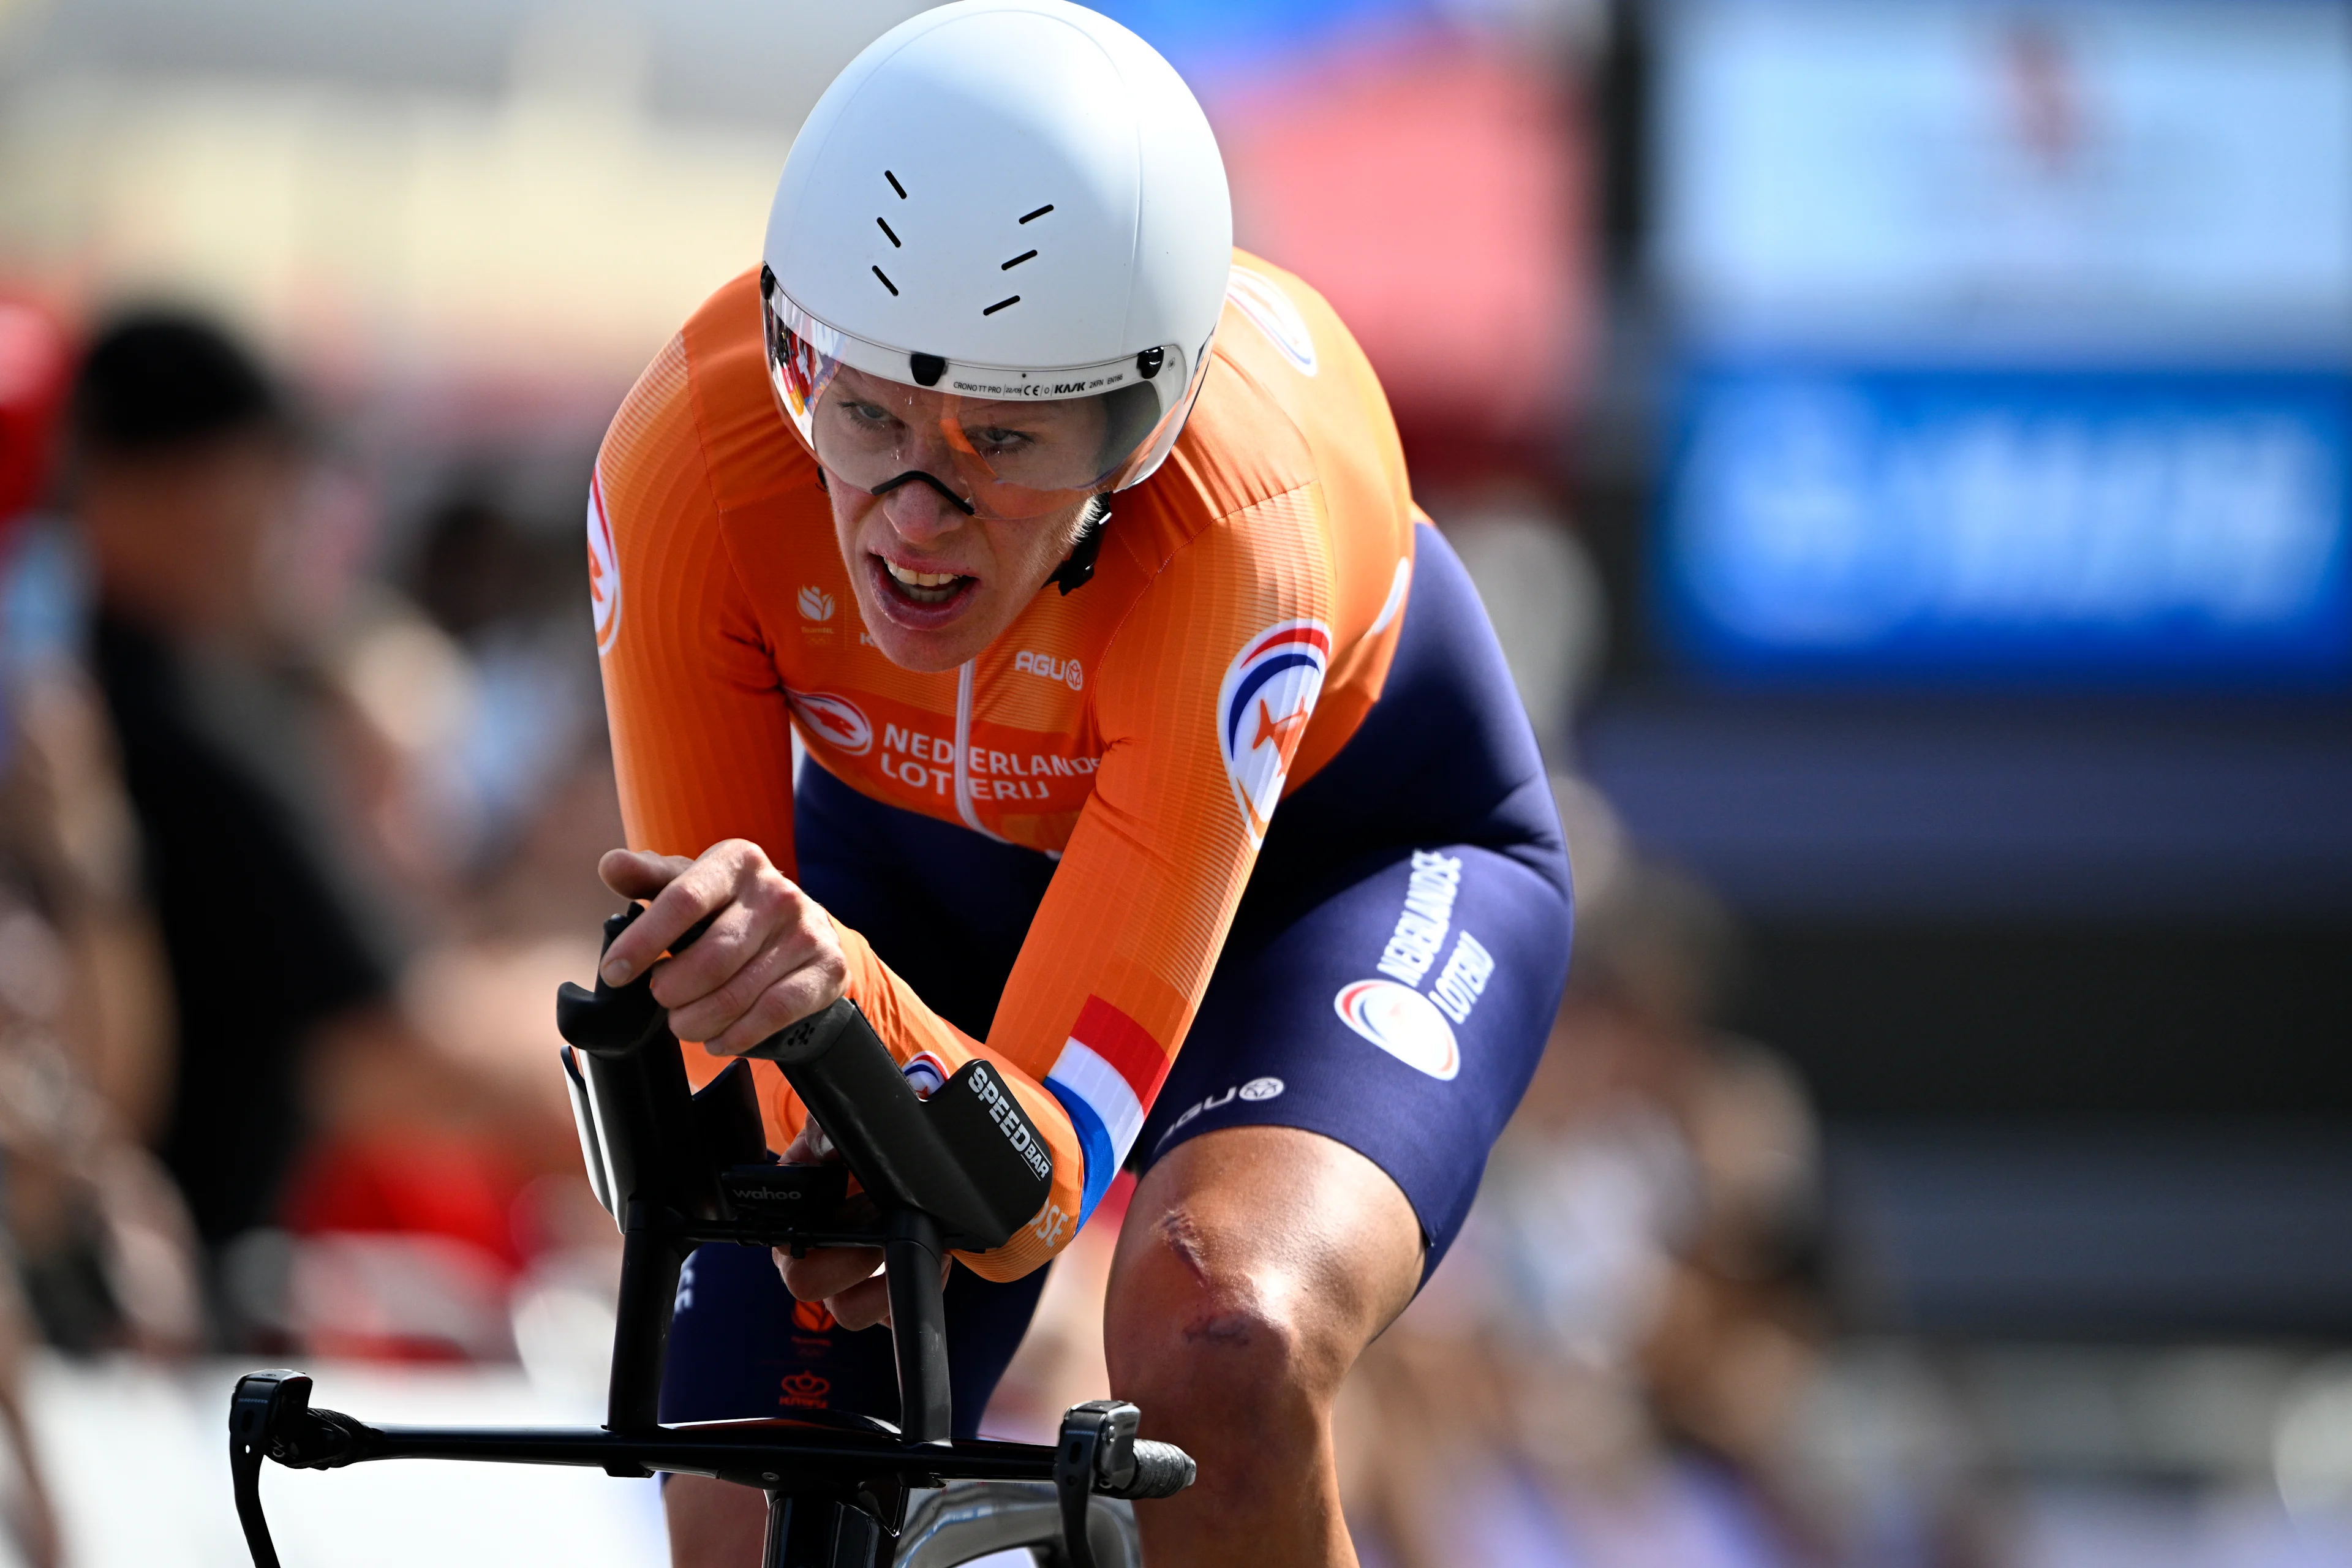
x=681, y=1171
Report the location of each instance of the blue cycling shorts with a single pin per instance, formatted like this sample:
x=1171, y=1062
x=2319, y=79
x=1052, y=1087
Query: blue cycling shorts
x=1389, y=982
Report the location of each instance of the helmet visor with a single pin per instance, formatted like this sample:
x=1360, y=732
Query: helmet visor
x=1001, y=444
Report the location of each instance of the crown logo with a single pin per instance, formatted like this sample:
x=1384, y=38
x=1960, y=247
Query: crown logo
x=804, y=1391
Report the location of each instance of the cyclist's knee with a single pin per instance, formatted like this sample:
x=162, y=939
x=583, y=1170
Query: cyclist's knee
x=1197, y=1335
x=1254, y=1268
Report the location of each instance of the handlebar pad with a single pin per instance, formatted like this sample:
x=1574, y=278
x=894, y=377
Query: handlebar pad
x=1161, y=1469
x=618, y=1021
x=969, y=1156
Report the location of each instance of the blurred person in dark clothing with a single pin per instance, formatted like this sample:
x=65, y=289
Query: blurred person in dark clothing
x=94, y=1247
x=187, y=460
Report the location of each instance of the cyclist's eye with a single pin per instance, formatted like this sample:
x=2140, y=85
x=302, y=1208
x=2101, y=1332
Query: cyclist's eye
x=996, y=438
x=868, y=416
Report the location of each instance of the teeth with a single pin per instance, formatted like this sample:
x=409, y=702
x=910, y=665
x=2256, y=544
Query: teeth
x=923, y=588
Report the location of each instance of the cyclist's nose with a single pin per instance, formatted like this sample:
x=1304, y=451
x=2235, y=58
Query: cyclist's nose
x=917, y=512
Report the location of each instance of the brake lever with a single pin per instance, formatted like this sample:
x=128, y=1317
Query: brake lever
x=269, y=1415
x=1099, y=1452
x=250, y=1412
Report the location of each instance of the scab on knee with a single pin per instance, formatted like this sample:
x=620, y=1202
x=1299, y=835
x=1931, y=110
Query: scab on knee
x=1202, y=1334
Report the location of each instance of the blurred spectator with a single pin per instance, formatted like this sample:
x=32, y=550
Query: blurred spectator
x=186, y=463
x=514, y=696
x=1543, y=595
x=32, y=1521
x=1609, y=1368
x=95, y=1250
x=103, y=1245
x=1728, y=1340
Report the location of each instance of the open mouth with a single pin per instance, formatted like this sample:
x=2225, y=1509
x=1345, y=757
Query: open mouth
x=925, y=595
x=925, y=587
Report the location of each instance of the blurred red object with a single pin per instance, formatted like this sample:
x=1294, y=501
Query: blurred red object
x=1439, y=194
x=36, y=369
x=406, y=1248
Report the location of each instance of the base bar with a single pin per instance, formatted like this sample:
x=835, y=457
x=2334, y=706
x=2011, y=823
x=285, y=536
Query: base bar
x=737, y=1455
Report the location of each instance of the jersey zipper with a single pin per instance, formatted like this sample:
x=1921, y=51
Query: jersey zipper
x=964, y=807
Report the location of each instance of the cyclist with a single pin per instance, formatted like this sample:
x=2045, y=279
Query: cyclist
x=1070, y=543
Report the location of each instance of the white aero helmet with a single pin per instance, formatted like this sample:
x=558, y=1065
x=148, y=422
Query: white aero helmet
x=996, y=259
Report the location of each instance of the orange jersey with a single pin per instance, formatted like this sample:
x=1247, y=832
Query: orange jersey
x=1142, y=728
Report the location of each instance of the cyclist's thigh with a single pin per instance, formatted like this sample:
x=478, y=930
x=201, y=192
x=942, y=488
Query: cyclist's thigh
x=1394, y=969
x=1400, y=1014
x=741, y=1346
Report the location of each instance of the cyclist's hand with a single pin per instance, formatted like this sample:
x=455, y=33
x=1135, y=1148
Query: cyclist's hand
x=771, y=957
x=847, y=1280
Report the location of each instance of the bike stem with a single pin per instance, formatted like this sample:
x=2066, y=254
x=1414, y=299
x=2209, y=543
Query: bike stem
x=821, y=1532
x=652, y=1252
x=911, y=1259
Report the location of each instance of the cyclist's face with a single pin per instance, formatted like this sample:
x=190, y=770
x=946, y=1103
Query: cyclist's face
x=936, y=585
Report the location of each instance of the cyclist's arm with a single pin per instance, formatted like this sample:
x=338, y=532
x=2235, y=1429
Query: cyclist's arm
x=701, y=733
x=702, y=751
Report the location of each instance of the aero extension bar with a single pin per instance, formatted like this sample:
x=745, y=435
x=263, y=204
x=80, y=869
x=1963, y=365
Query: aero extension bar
x=680, y=1169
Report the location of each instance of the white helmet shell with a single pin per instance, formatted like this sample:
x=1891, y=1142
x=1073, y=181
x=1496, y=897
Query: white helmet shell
x=998, y=195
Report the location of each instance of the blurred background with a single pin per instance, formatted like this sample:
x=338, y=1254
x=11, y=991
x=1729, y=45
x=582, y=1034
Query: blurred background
x=1904, y=445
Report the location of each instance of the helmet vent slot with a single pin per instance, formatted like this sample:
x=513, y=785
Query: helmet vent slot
x=1041, y=212
x=886, y=283
x=1014, y=300
x=899, y=188
x=894, y=238
x=1024, y=256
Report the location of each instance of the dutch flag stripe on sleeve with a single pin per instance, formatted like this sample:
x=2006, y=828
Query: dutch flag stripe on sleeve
x=1106, y=1076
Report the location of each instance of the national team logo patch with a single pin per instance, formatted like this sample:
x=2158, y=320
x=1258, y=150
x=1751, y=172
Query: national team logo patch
x=603, y=569
x=1268, y=694
x=1271, y=311
x=926, y=1072
x=815, y=604
x=837, y=720
x=1401, y=1021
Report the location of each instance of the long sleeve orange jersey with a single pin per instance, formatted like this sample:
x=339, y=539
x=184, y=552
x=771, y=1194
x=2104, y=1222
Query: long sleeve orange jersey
x=1238, y=627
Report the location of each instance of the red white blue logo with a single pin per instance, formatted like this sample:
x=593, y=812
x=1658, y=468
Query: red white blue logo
x=837, y=720
x=1258, y=297
x=926, y=1072
x=1401, y=1021
x=1268, y=695
x=603, y=569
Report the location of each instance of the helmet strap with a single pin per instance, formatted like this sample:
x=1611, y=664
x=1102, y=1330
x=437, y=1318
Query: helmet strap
x=1078, y=569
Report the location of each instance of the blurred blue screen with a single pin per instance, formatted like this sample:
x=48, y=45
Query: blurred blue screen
x=1969, y=521
x=2014, y=339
